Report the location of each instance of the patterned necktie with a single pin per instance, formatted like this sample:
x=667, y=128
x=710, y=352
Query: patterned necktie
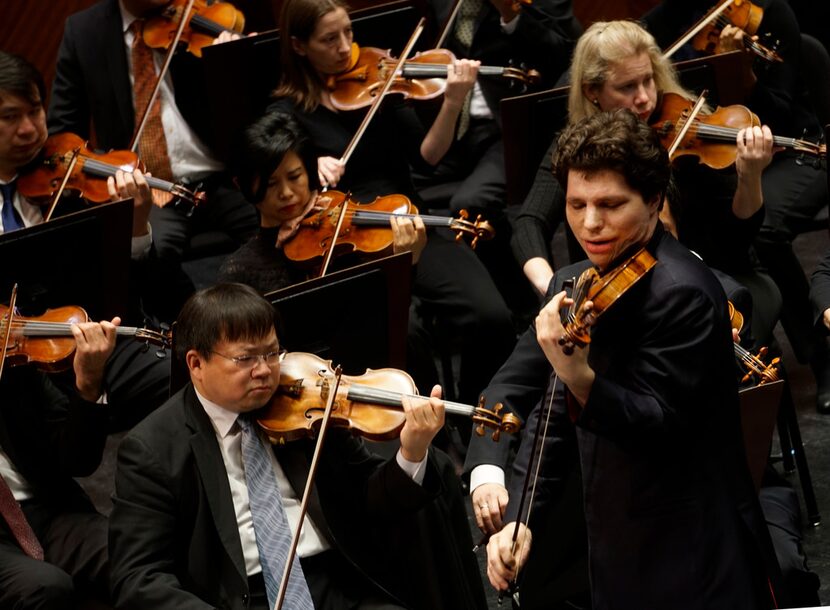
x=10, y=511
x=152, y=145
x=11, y=219
x=464, y=30
x=273, y=535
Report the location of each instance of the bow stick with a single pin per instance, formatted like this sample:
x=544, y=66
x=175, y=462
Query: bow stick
x=167, y=58
x=312, y=471
x=696, y=28
x=7, y=336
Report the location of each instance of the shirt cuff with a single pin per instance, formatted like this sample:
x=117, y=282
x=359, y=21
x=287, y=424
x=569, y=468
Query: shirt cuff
x=486, y=473
x=140, y=246
x=415, y=470
x=509, y=28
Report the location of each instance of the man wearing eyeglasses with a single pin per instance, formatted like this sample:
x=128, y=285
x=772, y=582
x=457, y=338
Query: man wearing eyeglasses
x=203, y=504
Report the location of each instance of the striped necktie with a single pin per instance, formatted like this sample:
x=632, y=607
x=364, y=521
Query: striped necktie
x=273, y=535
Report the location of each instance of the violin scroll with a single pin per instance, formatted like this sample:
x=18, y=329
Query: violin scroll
x=496, y=420
x=602, y=290
x=478, y=228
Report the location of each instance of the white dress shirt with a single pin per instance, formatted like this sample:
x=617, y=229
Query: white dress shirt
x=311, y=540
x=21, y=490
x=189, y=156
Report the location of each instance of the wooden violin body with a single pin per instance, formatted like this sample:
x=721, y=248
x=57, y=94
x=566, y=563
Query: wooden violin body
x=422, y=78
x=88, y=172
x=368, y=405
x=47, y=340
x=207, y=20
x=712, y=137
x=603, y=291
x=51, y=353
x=363, y=228
x=742, y=14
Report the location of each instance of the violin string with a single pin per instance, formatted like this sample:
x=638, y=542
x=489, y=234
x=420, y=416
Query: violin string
x=100, y=168
x=392, y=398
x=437, y=70
x=45, y=328
x=728, y=134
x=382, y=218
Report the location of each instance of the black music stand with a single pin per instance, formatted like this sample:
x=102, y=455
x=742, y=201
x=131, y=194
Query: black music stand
x=78, y=259
x=759, y=411
x=242, y=74
x=357, y=317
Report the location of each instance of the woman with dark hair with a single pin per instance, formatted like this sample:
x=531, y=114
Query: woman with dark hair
x=276, y=173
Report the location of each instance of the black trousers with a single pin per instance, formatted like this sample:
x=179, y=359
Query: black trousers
x=334, y=584
x=225, y=210
x=75, y=566
x=793, y=195
x=453, y=284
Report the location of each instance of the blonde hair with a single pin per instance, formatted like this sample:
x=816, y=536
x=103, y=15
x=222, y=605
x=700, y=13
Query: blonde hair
x=298, y=20
x=604, y=44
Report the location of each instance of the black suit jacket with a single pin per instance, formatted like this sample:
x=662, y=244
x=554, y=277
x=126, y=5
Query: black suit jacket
x=92, y=82
x=538, y=42
x=672, y=518
x=174, y=541
x=50, y=437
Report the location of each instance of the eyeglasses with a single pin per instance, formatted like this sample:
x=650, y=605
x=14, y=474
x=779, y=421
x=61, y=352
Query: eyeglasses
x=249, y=361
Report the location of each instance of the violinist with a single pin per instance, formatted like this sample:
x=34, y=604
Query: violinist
x=53, y=543
x=175, y=145
x=450, y=282
x=715, y=213
x=136, y=379
x=277, y=172
x=172, y=548
x=794, y=188
x=496, y=32
x=651, y=402
x=22, y=135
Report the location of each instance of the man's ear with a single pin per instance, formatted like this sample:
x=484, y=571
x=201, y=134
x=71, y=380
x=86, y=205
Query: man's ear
x=195, y=363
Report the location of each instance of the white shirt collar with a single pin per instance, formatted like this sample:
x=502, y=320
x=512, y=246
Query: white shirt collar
x=127, y=17
x=222, y=419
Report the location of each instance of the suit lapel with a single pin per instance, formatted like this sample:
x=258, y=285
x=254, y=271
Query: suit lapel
x=117, y=70
x=214, y=478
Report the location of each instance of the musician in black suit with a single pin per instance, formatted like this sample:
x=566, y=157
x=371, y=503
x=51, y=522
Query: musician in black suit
x=181, y=533
x=94, y=87
x=651, y=402
x=47, y=437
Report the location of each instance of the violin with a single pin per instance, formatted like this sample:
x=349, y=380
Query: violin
x=47, y=340
x=368, y=405
x=754, y=365
x=602, y=290
x=421, y=78
x=711, y=137
x=67, y=154
x=742, y=14
x=349, y=226
x=206, y=21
